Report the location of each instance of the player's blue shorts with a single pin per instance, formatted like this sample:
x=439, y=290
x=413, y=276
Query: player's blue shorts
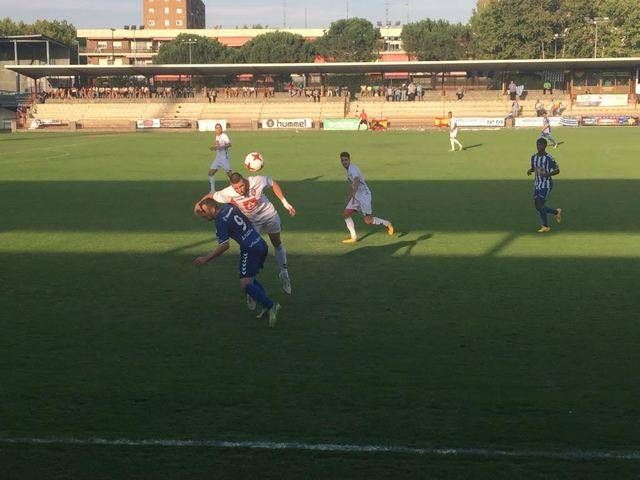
x=542, y=193
x=252, y=260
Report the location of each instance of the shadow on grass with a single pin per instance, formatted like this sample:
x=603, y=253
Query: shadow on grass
x=457, y=206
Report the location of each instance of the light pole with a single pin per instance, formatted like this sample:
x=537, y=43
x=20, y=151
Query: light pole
x=190, y=42
x=113, y=56
x=595, y=22
x=555, y=45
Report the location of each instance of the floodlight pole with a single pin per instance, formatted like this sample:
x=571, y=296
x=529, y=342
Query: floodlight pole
x=595, y=22
x=113, y=55
x=190, y=42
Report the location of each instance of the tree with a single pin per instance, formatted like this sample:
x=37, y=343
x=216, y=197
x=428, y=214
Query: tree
x=352, y=40
x=203, y=50
x=522, y=29
x=435, y=40
x=533, y=28
x=277, y=47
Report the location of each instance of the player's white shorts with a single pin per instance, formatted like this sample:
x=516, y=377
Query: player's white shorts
x=361, y=202
x=221, y=162
x=453, y=135
x=269, y=225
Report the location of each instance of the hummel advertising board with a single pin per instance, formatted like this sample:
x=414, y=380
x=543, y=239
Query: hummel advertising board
x=294, y=123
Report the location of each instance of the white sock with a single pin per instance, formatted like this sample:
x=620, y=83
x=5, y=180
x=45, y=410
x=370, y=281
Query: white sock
x=212, y=182
x=380, y=221
x=453, y=145
x=458, y=143
x=351, y=226
x=281, y=258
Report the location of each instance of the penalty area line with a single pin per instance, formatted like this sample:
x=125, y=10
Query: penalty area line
x=331, y=448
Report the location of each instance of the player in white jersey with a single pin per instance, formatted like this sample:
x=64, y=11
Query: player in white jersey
x=248, y=195
x=359, y=200
x=453, y=133
x=221, y=147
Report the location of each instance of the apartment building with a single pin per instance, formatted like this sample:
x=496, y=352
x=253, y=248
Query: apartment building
x=173, y=14
x=132, y=45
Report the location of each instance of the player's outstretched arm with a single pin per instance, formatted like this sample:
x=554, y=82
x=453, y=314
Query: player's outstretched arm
x=220, y=249
x=278, y=191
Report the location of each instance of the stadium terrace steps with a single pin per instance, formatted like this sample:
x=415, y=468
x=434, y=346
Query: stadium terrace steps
x=245, y=114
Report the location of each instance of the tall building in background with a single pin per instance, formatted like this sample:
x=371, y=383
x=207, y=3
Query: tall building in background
x=173, y=14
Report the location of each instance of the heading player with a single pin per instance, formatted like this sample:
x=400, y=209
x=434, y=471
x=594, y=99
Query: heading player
x=545, y=167
x=359, y=200
x=232, y=224
x=248, y=195
x=221, y=146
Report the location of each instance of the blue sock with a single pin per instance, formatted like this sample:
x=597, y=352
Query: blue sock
x=259, y=295
x=259, y=285
x=543, y=216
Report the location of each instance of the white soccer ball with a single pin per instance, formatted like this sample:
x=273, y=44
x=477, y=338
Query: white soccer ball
x=254, y=162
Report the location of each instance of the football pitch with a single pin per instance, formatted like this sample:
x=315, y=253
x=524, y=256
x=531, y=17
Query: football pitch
x=465, y=346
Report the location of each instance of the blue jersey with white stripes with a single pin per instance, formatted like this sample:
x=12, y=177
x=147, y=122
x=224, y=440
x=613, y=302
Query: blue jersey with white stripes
x=231, y=223
x=543, y=163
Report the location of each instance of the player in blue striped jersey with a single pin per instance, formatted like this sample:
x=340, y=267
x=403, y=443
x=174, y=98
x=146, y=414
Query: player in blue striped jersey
x=545, y=168
x=232, y=224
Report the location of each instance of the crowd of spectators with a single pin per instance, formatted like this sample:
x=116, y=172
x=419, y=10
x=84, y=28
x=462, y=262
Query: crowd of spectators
x=406, y=92
x=131, y=92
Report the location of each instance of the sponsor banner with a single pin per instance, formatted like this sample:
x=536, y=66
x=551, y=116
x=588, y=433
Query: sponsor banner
x=537, y=121
x=611, y=120
x=342, y=124
x=379, y=124
x=275, y=123
x=175, y=123
x=148, y=123
x=210, y=125
x=45, y=122
x=606, y=100
x=480, y=122
x=570, y=121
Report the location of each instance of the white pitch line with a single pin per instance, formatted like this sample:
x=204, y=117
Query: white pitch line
x=332, y=448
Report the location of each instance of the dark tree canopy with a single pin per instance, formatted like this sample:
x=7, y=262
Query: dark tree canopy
x=352, y=40
x=277, y=47
x=436, y=40
x=544, y=28
x=203, y=50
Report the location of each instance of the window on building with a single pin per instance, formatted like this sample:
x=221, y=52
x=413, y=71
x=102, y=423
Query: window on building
x=178, y=10
x=167, y=23
x=152, y=10
x=179, y=23
x=117, y=44
x=166, y=10
x=102, y=44
x=152, y=23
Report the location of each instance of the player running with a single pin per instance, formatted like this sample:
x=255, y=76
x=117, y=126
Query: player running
x=359, y=200
x=545, y=167
x=546, y=130
x=231, y=223
x=453, y=133
x=221, y=146
x=248, y=195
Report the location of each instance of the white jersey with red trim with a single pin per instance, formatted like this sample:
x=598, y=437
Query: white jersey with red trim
x=255, y=205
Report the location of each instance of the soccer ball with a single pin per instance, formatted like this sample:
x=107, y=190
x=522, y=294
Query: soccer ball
x=254, y=162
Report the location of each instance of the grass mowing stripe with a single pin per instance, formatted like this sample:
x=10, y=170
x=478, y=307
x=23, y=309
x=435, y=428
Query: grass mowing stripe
x=331, y=448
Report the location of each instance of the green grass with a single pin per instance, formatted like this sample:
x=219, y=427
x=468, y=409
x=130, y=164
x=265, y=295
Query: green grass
x=465, y=330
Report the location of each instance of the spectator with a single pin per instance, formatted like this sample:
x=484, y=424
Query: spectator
x=513, y=88
x=539, y=108
x=546, y=87
x=419, y=91
x=460, y=94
